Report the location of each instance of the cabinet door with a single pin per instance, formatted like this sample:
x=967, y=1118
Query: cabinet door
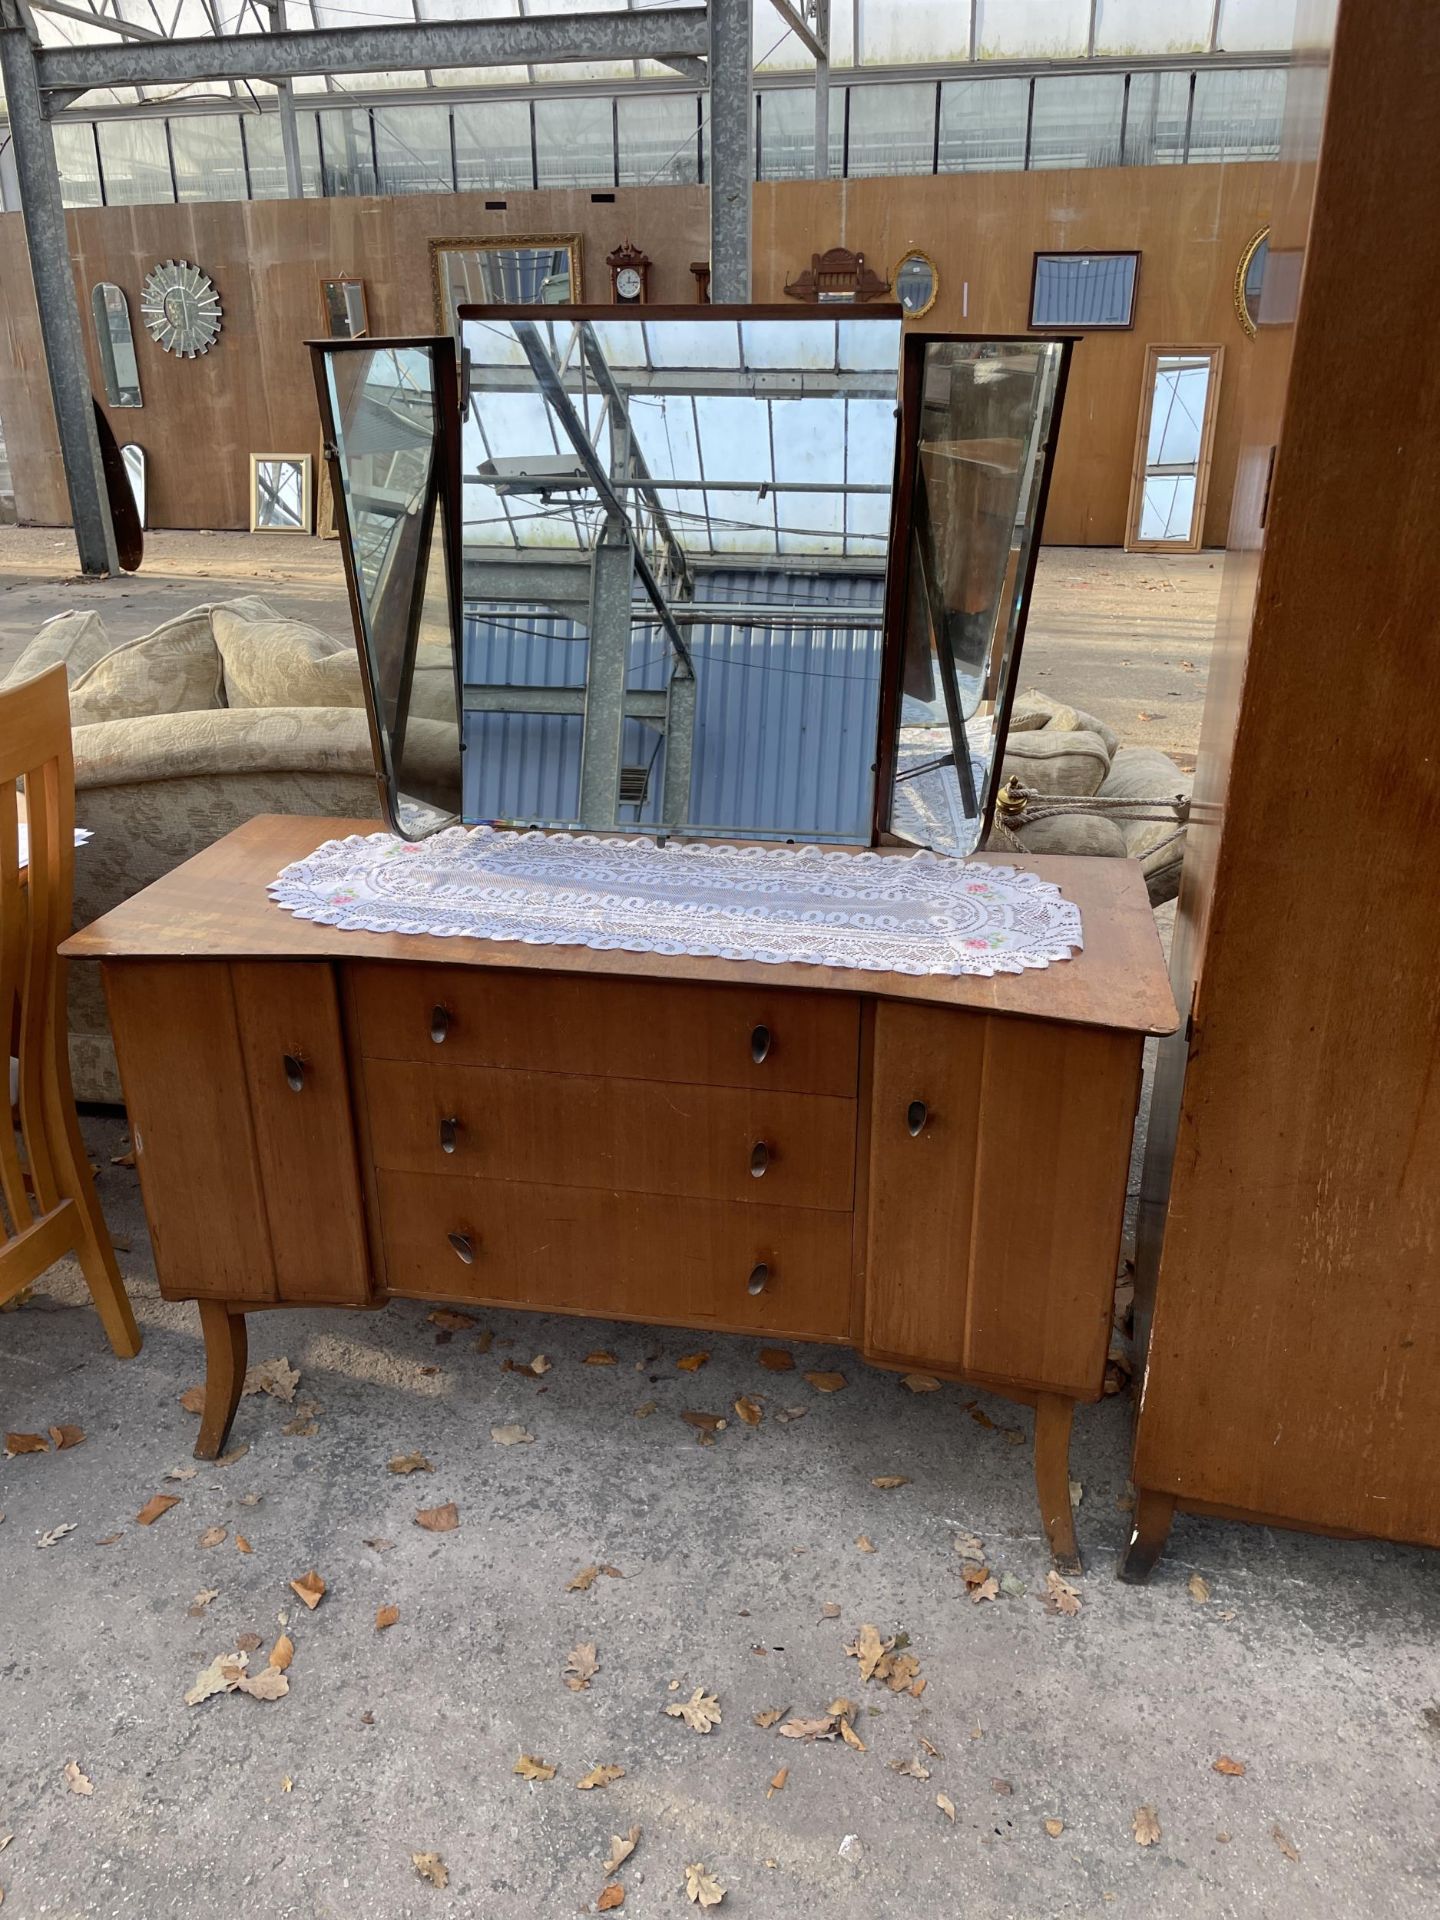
x=178, y=1043
x=999, y=1152
x=299, y=1095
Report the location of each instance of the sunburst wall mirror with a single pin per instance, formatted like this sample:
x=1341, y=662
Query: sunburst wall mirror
x=181, y=309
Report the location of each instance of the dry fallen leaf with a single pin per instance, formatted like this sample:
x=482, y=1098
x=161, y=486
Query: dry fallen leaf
x=431, y=1867
x=1060, y=1596
x=540, y=1364
x=1233, y=1769
x=268, y=1684
x=1199, y=1589
x=830, y=1610
x=583, y=1580
x=604, y=1358
x=767, y=1716
x=1147, y=1827
x=452, y=1321
x=1002, y=1787
x=377, y=1545
x=439, y=1519
x=611, y=1896
x=921, y=1382
x=701, y=1712
x=302, y=1427
x=822, y=1727
x=887, y=1480
x=826, y=1382
x=212, y=1536
x=155, y=1506
x=850, y=1737
x=65, y=1437
x=621, y=1849
x=912, y=1769
x=707, y=1422
x=511, y=1436
x=581, y=1667
x=57, y=1534
x=81, y=1783
x=777, y=1782
x=600, y=1777
x=275, y=1377
x=776, y=1359
x=1285, y=1843
x=702, y=1887
x=933, y=1751
x=179, y=1473
x=282, y=1653
x=242, y=1545
x=987, y=1589
x=869, y=1649
x=247, y=1642
x=193, y=1399
x=644, y=1411
x=691, y=1362
x=310, y=1588
x=410, y=1463
x=749, y=1410
x=386, y=1617
x=1054, y=1828
x=865, y=1543
x=946, y=1805
x=530, y=1767
x=202, y=1600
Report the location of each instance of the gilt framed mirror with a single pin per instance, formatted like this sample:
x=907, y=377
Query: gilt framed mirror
x=280, y=493
x=526, y=269
x=1250, y=278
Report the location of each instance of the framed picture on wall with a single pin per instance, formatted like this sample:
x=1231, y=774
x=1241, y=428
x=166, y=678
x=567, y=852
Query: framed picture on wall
x=1083, y=292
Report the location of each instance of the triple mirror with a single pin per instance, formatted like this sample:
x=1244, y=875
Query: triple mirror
x=657, y=575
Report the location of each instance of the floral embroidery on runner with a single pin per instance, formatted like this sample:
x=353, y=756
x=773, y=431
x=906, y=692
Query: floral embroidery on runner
x=921, y=913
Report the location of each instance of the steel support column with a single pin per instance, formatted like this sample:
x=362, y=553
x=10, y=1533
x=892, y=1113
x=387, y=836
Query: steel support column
x=822, y=90
x=48, y=242
x=290, y=141
x=607, y=668
x=732, y=149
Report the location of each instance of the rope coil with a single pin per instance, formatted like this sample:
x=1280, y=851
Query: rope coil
x=1020, y=806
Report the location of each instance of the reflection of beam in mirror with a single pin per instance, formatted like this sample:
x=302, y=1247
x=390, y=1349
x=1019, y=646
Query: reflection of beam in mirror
x=116, y=342
x=280, y=493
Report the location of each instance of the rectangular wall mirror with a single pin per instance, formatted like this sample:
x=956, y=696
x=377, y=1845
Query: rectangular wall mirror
x=118, y=368
x=529, y=270
x=1171, y=476
x=688, y=598
x=280, y=493
x=342, y=302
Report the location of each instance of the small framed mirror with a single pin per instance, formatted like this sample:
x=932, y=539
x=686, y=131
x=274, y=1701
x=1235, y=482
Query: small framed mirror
x=134, y=459
x=520, y=270
x=343, y=306
x=280, y=493
x=1249, y=279
x=116, y=342
x=917, y=283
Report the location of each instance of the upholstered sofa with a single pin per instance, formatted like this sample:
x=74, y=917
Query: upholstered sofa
x=223, y=713
x=1058, y=749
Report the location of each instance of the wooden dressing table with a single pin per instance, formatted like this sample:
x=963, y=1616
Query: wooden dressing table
x=929, y=1170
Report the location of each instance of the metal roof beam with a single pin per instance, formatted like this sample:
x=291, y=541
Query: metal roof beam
x=801, y=29
x=124, y=28
x=407, y=47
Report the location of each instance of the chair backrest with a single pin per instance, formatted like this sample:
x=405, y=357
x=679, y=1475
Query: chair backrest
x=37, y=807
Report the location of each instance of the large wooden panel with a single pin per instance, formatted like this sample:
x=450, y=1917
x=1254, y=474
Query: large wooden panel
x=183, y=1071
x=217, y=904
x=1294, y=1366
x=618, y=1255
x=633, y=1136
x=995, y=1227
x=305, y=1143
x=653, y=1030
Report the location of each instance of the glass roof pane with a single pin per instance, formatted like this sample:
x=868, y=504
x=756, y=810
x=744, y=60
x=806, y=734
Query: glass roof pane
x=1142, y=26
x=683, y=343
x=789, y=343
x=900, y=33
x=870, y=346
x=1031, y=29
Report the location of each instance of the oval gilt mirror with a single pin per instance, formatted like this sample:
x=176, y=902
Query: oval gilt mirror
x=917, y=283
x=1249, y=278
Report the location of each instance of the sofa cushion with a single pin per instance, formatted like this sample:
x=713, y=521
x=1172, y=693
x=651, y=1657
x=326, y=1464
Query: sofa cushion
x=176, y=746
x=72, y=640
x=1083, y=833
x=1069, y=763
x=1034, y=709
x=175, y=669
x=1144, y=773
x=285, y=663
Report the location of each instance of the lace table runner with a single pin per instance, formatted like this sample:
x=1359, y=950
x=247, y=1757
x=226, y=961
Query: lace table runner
x=884, y=913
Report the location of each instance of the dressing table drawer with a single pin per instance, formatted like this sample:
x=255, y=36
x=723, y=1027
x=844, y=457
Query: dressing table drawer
x=618, y=1256
x=769, y=1038
x=633, y=1136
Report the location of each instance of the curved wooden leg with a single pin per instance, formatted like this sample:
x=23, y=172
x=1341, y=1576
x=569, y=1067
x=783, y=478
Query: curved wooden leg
x=1151, y=1529
x=93, y=1247
x=226, y=1349
x=1053, y=1415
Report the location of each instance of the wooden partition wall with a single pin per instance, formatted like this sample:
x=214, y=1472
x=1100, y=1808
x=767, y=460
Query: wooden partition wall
x=202, y=419
x=1294, y=1357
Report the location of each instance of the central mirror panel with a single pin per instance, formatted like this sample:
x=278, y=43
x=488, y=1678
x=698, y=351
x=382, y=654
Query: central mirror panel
x=674, y=539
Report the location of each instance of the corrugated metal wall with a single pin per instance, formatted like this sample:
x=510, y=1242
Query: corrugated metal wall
x=784, y=726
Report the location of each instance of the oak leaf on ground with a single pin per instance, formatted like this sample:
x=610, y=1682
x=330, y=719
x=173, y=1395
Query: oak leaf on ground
x=946, y=1805
x=748, y=1410
x=1199, y=1588
x=512, y=1436
x=275, y=1377
x=193, y=1399
x=581, y=1667
x=57, y=1534
x=600, y=1777
x=410, y=1463
x=76, y=1780
x=212, y=1536
x=702, y=1887
x=767, y=1716
x=531, y=1767
x=431, y=1867
x=621, y=1848
x=1060, y=1596
x=443, y=1519
x=1146, y=1827
x=884, y=1481
x=701, y=1712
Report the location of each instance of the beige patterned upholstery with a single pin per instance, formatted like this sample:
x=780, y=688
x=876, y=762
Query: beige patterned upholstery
x=285, y=663
x=175, y=669
x=156, y=787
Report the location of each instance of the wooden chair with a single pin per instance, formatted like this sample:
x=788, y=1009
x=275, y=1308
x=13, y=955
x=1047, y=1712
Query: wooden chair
x=50, y=1207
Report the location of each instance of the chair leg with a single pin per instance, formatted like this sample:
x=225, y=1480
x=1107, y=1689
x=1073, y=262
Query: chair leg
x=1053, y=1415
x=1151, y=1529
x=226, y=1349
x=93, y=1246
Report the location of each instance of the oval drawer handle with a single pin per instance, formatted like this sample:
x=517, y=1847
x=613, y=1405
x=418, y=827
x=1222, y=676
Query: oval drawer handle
x=294, y=1072
x=448, y=1129
x=759, y=1044
x=759, y=1278
x=464, y=1247
x=759, y=1159
x=916, y=1114
x=439, y=1024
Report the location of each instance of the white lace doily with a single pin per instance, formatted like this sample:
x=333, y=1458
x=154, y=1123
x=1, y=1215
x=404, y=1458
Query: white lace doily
x=885, y=913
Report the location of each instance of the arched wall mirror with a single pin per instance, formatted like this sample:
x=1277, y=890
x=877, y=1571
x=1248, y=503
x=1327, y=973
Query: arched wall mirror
x=117, y=345
x=1249, y=279
x=134, y=458
x=917, y=283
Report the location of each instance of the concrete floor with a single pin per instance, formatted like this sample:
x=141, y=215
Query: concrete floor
x=1312, y=1662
